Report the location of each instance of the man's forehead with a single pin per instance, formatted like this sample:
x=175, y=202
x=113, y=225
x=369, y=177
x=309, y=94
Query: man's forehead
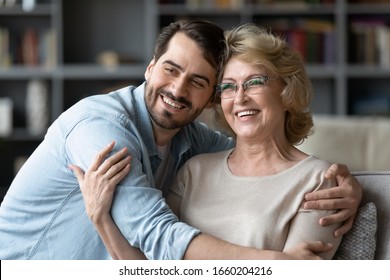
x=181, y=40
x=185, y=53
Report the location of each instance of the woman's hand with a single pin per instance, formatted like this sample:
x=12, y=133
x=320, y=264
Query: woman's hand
x=308, y=250
x=98, y=183
x=345, y=198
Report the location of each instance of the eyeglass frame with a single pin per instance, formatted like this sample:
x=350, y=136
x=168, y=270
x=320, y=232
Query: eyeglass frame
x=244, y=86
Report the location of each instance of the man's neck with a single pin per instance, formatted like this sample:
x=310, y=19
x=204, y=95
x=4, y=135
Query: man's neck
x=163, y=136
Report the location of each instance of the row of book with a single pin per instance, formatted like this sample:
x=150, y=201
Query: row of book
x=240, y=3
x=236, y=3
x=370, y=42
x=31, y=47
x=313, y=39
x=369, y=1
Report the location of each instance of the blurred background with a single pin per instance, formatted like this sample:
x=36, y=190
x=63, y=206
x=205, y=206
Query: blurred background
x=54, y=53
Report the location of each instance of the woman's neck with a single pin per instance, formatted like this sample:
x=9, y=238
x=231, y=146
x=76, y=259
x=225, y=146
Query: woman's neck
x=262, y=159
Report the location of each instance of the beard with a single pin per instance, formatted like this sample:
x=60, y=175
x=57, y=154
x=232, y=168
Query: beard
x=166, y=119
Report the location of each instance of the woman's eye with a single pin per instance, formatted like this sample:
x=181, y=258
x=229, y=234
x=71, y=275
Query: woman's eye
x=257, y=81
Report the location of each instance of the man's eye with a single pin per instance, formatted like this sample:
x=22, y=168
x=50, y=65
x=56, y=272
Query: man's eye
x=197, y=84
x=169, y=70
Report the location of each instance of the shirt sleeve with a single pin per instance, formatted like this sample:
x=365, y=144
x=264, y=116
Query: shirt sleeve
x=305, y=227
x=138, y=208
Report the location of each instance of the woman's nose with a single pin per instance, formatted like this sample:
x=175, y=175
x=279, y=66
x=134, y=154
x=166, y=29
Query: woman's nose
x=241, y=96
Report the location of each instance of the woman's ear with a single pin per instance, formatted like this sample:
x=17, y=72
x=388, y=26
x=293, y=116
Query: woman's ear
x=149, y=69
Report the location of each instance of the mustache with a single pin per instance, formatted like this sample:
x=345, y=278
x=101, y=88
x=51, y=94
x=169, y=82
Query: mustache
x=174, y=98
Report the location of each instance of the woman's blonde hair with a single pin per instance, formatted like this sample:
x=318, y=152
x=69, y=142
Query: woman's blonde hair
x=258, y=46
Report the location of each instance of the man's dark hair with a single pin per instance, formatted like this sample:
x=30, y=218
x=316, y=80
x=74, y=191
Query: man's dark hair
x=207, y=35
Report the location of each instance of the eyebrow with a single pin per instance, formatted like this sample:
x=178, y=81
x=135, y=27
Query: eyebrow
x=181, y=69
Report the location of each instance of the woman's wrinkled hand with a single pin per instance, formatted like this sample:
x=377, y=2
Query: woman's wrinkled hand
x=98, y=183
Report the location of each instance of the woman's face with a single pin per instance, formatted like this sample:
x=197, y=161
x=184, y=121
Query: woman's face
x=258, y=112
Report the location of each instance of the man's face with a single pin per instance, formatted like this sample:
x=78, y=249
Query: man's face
x=179, y=85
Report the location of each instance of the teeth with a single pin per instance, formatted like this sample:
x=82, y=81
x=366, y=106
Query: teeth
x=246, y=113
x=170, y=103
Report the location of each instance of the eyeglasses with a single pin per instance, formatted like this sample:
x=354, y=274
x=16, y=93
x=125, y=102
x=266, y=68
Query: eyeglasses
x=251, y=86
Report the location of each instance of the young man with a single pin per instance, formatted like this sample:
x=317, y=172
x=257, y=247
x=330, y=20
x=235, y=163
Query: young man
x=43, y=214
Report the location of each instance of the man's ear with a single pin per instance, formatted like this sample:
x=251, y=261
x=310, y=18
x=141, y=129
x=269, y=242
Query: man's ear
x=149, y=69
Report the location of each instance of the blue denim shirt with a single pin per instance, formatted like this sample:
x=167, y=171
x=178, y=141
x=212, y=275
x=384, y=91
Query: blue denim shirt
x=43, y=214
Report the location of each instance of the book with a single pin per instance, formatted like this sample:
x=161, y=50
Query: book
x=370, y=37
x=6, y=116
x=30, y=47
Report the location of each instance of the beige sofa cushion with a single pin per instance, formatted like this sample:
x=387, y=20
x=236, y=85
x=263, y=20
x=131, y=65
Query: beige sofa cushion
x=359, y=142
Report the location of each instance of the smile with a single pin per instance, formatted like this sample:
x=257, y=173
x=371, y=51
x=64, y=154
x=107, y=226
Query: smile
x=172, y=104
x=247, y=113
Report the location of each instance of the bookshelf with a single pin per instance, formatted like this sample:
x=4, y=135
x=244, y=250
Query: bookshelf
x=93, y=46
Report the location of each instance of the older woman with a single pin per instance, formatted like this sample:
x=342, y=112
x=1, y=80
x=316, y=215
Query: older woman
x=251, y=195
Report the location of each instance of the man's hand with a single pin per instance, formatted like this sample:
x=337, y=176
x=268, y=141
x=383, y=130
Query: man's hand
x=308, y=250
x=345, y=198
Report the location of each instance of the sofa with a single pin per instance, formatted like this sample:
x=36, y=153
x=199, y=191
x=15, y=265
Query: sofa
x=362, y=143
x=376, y=189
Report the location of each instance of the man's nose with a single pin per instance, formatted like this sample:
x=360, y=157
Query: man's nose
x=179, y=87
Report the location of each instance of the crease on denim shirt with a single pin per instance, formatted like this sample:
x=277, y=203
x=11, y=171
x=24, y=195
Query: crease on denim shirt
x=47, y=228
